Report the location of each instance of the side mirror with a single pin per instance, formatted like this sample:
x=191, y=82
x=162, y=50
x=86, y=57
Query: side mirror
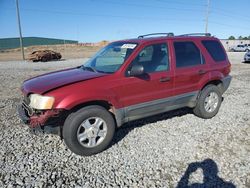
x=136, y=70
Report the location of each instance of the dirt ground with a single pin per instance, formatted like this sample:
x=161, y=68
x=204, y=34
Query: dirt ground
x=68, y=51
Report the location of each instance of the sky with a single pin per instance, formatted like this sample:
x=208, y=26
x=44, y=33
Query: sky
x=96, y=20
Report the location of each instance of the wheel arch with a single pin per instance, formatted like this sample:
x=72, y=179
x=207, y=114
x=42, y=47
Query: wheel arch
x=103, y=103
x=216, y=82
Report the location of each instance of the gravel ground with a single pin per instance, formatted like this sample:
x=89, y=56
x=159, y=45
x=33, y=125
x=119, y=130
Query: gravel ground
x=159, y=151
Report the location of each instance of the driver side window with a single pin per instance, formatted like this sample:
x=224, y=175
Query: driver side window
x=154, y=58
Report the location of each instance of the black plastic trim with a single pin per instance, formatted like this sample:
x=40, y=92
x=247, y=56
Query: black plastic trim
x=142, y=110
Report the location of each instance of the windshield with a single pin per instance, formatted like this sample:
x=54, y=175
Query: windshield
x=110, y=58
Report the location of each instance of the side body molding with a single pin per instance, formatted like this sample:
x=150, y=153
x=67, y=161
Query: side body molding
x=139, y=111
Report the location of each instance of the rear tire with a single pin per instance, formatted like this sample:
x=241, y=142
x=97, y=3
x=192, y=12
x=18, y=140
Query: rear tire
x=209, y=102
x=80, y=130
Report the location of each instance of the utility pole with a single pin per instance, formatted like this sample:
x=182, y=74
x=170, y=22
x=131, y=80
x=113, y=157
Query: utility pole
x=207, y=14
x=20, y=31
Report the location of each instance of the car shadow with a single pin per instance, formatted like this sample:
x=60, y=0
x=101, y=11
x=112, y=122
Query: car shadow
x=127, y=127
x=210, y=176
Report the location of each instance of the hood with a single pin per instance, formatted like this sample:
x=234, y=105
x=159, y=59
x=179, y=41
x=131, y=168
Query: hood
x=46, y=82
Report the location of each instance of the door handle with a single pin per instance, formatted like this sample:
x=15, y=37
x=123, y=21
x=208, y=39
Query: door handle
x=202, y=72
x=165, y=79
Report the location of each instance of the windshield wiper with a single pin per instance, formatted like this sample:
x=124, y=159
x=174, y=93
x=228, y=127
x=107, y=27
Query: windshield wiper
x=88, y=68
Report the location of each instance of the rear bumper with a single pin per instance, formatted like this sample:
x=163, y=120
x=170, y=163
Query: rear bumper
x=226, y=82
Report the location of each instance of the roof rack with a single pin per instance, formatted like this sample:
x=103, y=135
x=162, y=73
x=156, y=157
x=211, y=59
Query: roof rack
x=152, y=34
x=196, y=34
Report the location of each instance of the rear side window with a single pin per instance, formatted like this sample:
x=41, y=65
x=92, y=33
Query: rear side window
x=187, y=54
x=214, y=48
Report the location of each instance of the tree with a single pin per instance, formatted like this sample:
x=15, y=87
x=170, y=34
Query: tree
x=245, y=38
x=240, y=37
x=231, y=38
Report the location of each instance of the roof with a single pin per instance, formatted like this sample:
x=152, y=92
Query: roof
x=142, y=39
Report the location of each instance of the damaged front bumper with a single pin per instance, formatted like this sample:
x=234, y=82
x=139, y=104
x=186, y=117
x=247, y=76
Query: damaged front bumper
x=48, y=121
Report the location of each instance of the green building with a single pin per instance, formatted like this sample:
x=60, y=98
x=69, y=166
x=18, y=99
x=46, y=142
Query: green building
x=9, y=43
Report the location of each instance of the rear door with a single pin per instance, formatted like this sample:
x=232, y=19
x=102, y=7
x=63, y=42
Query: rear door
x=190, y=67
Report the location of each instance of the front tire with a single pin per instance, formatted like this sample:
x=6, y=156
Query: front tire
x=209, y=102
x=89, y=130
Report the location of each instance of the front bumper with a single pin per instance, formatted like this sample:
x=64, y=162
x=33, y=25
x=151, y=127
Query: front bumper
x=49, y=121
x=22, y=114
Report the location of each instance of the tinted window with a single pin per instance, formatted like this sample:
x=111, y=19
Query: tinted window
x=154, y=58
x=187, y=54
x=214, y=48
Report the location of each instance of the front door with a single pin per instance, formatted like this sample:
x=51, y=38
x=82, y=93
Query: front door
x=145, y=95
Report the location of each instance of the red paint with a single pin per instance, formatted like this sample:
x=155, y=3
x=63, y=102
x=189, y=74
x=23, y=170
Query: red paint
x=72, y=87
x=39, y=120
x=46, y=82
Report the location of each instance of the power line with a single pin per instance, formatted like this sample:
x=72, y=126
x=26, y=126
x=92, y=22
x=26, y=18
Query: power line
x=105, y=15
x=228, y=25
x=143, y=18
x=121, y=16
x=139, y=5
x=181, y=3
x=228, y=12
x=235, y=17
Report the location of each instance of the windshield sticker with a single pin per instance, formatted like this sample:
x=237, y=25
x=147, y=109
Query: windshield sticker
x=129, y=46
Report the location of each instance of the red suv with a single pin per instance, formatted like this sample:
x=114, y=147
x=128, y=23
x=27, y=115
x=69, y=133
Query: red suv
x=127, y=80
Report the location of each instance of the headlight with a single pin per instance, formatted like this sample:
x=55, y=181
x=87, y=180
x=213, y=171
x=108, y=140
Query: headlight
x=40, y=102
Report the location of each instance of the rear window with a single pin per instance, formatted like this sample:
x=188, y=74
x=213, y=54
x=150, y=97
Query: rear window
x=214, y=48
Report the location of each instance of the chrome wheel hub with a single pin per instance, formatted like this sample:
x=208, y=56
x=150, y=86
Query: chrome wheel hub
x=211, y=102
x=92, y=132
